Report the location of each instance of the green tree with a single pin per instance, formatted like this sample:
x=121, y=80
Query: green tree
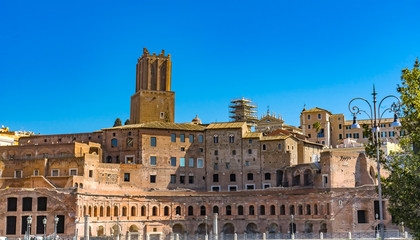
x=402, y=186
x=127, y=122
x=317, y=126
x=117, y=122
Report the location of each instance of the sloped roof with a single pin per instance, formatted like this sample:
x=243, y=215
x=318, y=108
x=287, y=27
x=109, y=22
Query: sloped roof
x=272, y=138
x=316, y=109
x=162, y=125
x=252, y=135
x=226, y=125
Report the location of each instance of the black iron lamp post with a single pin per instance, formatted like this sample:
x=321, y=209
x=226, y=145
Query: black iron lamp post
x=375, y=117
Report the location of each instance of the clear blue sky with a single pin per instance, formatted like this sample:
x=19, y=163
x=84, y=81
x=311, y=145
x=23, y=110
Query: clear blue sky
x=69, y=66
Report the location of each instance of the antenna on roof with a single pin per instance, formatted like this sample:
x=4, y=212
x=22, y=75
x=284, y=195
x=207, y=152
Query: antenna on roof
x=304, y=107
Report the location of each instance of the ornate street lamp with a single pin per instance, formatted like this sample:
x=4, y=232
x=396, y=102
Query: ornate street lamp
x=375, y=118
x=206, y=236
x=44, y=221
x=28, y=227
x=56, y=219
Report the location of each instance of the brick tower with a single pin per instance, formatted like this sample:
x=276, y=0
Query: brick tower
x=153, y=100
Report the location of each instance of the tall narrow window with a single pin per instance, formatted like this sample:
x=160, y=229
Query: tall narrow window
x=182, y=137
x=42, y=204
x=114, y=142
x=173, y=137
x=11, y=204
x=200, y=138
x=231, y=139
x=153, y=160
x=190, y=162
x=173, y=161
x=191, y=138
x=182, y=162
x=27, y=204
x=153, y=141
x=215, y=139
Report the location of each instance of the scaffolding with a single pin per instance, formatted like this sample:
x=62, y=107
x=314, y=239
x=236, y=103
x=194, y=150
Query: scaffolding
x=243, y=110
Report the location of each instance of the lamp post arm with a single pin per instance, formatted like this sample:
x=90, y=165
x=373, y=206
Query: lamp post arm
x=356, y=110
x=395, y=106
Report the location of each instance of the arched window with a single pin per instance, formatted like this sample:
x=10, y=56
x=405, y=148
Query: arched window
x=109, y=159
x=76, y=185
x=250, y=176
x=81, y=185
x=251, y=210
x=228, y=210
x=215, y=209
x=108, y=211
x=154, y=211
x=115, y=211
x=190, y=211
x=292, y=210
x=84, y=211
x=124, y=211
x=240, y=210
x=202, y=210
x=262, y=210
x=90, y=211
x=133, y=211
x=264, y=147
x=282, y=210
x=215, y=139
x=272, y=210
x=143, y=211
x=300, y=207
x=231, y=139
x=178, y=210
x=101, y=211
x=315, y=209
x=95, y=211
x=308, y=209
x=166, y=211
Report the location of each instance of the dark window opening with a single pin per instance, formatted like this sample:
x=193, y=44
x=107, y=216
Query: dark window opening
x=27, y=204
x=361, y=216
x=40, y=224
x=11, y=225
x=240, y=210
x=42, y=204
x=60, y=224
x=12, y=204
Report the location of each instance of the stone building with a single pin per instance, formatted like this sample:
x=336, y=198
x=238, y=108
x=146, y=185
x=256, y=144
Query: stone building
x=156, y=177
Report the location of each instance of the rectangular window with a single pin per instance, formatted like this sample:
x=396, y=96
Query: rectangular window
x=249, y=151
x=200, y=138
x=309, y=117
x=191, y=138
x=182, y=179
x=216, y=152
x=173, y=178
x=361, y=216
x=153, y=160
x=383, y=134
x=339, y=126
x=18, y=174
x=232, y=188
x=266, y=185
x=279, y=146
x=129, y=159
x=182, y=137
x=114, y=142
x=216, y=166
x=250, y=141
x=27, y=204
x=73, y=171
x=227, y=165
x=173, y=161
x=355, y=135
x=250, y=186
x=340, y=136
x=153, y=141
x=215, y=188
x=182, y=162
x=126, y=177
x=12, y=204
x=391, y=134
x=309, y=126
x=42, y=204
x=173, y=137
x=90, y=173
x=36, y=172
x=190, y=179
x=61, y=224
x=55, y=172
x=24, y=225
x=200, y=163
x=215, y=177
x=247, y=163
x=11, y=225
x=319, y=115
x=348, y=127
x=152, y=178
x=191, y=162
x=39, y=224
